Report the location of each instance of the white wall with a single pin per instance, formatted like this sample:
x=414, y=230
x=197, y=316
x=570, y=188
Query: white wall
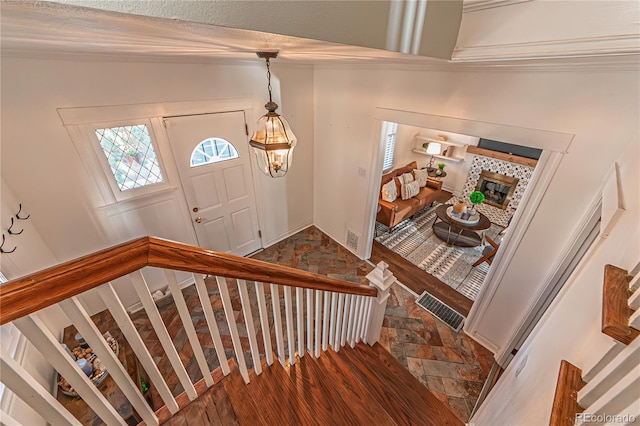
x=596, y=106
x=41, y=164
x=31, y=255
x=570, y=329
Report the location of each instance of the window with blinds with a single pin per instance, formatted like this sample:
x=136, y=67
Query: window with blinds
x=390, y=130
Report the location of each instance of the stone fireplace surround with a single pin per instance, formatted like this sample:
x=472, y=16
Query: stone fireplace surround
x=521, y=172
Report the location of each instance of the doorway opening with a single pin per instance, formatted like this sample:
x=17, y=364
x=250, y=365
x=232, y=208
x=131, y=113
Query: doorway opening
x=447, y=255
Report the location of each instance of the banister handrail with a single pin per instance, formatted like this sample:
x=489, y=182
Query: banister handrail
x=37, y=291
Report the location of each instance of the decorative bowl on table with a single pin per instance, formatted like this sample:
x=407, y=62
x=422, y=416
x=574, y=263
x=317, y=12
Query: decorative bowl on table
x=98, y=371
x=465, y=218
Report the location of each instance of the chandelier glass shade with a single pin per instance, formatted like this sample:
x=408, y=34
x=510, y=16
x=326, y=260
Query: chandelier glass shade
x=273, y=140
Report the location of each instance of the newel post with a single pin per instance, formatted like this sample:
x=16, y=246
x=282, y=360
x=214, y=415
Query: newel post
x=380, y=278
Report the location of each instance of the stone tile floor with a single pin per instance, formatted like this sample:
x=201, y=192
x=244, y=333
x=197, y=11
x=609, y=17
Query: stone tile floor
x=452, y=365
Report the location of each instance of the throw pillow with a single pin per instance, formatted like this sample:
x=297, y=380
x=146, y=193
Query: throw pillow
x=410, y=189
x=399, y=182
x=407, y=177
x=389, y=192
x=421, y=176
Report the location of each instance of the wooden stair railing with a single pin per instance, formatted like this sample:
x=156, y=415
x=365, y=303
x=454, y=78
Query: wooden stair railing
x=29, y=294
x=609, y=391
x=619, y=320
x=565, y=400
x=334, y=313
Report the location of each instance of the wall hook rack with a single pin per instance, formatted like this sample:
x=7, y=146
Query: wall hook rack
x=18, y=214
x=2, y=250
x=12, y=232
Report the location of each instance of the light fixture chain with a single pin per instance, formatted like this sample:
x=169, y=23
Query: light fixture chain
x=269, y=79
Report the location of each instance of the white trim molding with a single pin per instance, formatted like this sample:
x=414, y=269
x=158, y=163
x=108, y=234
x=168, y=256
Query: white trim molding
x=475, y=5
x=623, y=44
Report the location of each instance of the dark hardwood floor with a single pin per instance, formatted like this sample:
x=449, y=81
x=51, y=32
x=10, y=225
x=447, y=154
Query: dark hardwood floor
x=418, y=280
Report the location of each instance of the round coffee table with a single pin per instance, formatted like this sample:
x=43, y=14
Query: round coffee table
x=456, y=233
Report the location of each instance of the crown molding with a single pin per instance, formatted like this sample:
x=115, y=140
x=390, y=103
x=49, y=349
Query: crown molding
x=475, y=5
x=624, y=44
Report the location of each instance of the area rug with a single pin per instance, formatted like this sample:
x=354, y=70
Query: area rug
x=414, y=240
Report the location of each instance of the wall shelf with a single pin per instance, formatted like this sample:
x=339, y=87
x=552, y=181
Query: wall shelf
x=457, y=150
x=440, y=157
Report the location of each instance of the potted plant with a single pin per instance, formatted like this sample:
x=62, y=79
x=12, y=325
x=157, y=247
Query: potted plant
x=440, y=169
x=476, y=197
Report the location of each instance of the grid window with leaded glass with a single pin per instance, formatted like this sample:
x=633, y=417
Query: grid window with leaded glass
x=131, y=156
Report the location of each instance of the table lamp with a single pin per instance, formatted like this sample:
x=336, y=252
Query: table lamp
x=433, y=149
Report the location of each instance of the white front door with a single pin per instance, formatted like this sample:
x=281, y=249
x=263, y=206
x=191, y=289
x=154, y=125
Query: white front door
x=212, y=155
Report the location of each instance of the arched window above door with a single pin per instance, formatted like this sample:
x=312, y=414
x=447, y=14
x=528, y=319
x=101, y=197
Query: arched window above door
x=213, y=150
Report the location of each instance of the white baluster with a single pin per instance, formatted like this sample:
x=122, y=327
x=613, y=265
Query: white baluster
x=353, y=320
x=187, y=323
x=264, y=322
x=140, y=286
x=119, y=313
x=212, y=323
x=318, y=321
x=38, y=334
x=339, y=315
x=606, y=379
x=332, y=318
x=634, y=320
x=300, y=320
x=16, y=378
x=251, y=330
x=616, y=395
x=7, y=420
x=634, y=300
x=233, y=327
x=310, y=321
x=345, y=319
x=325, y=321
x=634, y=284
x=366, y=318
x=360, y=321
x=291, y=340
x=628, y=416
x=277, y=322
x=80, y=318
x=382, y=279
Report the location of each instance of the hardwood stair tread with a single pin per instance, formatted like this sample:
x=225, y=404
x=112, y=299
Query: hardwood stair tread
x=244, y=408
x=334, y=394
x=360, y=385
x=277, y=397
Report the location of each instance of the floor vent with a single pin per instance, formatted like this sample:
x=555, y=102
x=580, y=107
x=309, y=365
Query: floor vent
x=441, y=311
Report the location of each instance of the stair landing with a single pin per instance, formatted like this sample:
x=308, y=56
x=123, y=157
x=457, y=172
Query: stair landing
x=361, y=385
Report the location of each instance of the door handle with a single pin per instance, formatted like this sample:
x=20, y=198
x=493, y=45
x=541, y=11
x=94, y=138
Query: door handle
x=198, y=219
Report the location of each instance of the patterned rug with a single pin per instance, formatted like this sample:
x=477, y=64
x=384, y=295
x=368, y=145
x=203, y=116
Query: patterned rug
x=414, y=240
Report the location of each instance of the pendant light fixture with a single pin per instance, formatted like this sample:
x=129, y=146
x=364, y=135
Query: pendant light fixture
x=273, y=141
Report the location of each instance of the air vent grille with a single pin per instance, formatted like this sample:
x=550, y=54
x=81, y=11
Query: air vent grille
x=352, y=240
x=441, y=311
